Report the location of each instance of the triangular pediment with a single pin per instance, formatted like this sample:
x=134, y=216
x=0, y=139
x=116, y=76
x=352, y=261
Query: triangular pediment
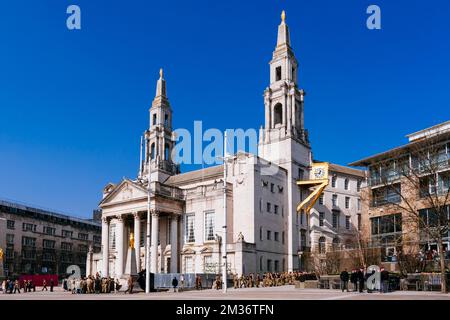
x=206, y=250
x=125, y=191
x=188, y=251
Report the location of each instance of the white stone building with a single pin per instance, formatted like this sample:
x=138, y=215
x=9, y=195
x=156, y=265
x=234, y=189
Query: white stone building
x=187, y=214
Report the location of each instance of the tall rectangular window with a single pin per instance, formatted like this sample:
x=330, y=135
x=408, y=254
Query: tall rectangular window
x=335, y=219
x=9, y=239
x=333, y=181
x=301, y=173
x=143, y=238
x=10, y=224
x=269, y=235
x=209, y=225
x=321, y=199
x=29, y=227
x=303, y=240
x=49, y=230
x=334, y=200
x=358, y=186
x=189, y=228
x=276, y=236
x=66, y=234
x=278, y=73
x=272, y=187
x=268, y=207
x=347, y=202
x=358, y=204
x=65, y=246
x=275, y=209
x=321, y=218
x=347, y=222
x=359, y=221
x=188, y=264
x=112, y=236
x=277, y=265
x=208, y=266
x=29, y=242
x=346, y=182
x=83, y=236
x=269, y=265
x=48, y=244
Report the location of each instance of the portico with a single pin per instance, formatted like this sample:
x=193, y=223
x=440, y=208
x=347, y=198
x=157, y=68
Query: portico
x=125, y=216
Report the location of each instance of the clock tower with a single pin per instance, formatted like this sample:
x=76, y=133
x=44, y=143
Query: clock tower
x=283, y=105
x=283, y=140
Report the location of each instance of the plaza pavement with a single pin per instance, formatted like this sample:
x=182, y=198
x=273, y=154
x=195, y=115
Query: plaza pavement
x=277, y=293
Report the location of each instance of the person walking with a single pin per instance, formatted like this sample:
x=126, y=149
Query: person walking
x=181, y=282
x=174, y=283
x=130, y=285
x=16, y=286
x=360, y=277
x=384, y=278
x=52, y=284
x=44, y=285
x=344, y=280
x=4, y=286
x=354, y=280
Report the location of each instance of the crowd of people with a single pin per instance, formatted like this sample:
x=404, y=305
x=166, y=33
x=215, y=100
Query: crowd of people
x=268, y=279
x=15, y=286
x=358, y=277
x=95, y=284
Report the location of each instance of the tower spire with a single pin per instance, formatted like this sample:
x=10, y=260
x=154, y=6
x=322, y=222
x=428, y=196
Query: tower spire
x=161, y=85
x=283, y=32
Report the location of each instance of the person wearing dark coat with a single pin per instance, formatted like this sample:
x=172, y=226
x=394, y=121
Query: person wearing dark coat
x=52, y=284
x=97, y=285
x=344, y=280
x=360, y=277
x=384, y=277
x=174, y=283
x=354, y=280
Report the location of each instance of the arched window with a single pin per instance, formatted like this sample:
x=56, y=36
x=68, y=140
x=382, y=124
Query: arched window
x=166, y=120
x=154, y=119
x=336, y=243
x=167, y=152
x=277, y=114
x=346, y=184
x=322, y=245
x=152, y=151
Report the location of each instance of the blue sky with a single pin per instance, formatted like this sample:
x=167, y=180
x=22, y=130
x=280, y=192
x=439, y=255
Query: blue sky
x=73, y=104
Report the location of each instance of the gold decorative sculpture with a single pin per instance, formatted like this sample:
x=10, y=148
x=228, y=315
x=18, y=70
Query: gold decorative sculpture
x=283, y=16
x=1, y=254
x=132, y=240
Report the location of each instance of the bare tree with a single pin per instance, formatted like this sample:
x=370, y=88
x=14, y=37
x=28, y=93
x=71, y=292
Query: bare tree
x=415, y=180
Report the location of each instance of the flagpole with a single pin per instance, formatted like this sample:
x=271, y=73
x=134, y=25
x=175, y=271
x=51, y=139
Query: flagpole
x=224, y=238
x=147, y=248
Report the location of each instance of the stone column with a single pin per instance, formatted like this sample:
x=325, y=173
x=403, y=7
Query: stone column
x=154, y=243
x=294, y=117
x=120, y=244
x=105, y=246
x=289, y=113
x=137, y=239
x=174, y=244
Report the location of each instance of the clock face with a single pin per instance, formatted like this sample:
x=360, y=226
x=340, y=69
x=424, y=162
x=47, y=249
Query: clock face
x=319, y=173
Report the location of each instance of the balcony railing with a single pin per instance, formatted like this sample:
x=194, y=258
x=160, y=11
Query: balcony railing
x=167, y=191
x=382, y=200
